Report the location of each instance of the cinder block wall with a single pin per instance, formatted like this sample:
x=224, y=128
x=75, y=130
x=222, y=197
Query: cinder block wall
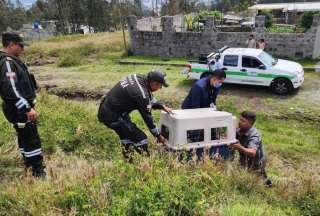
x=170, y=43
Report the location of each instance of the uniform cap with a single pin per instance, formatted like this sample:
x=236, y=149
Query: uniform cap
x=13, y=37
x=158, y=76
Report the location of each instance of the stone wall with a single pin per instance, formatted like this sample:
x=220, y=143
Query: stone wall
x=170, y=43
x=154, y=24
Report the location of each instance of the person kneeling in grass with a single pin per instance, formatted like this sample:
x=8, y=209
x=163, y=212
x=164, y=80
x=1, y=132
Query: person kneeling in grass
x=249, y=146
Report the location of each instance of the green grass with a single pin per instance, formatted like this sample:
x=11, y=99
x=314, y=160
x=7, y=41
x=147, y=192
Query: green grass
x=87, y=174
x=308, y=62
x=151, y=59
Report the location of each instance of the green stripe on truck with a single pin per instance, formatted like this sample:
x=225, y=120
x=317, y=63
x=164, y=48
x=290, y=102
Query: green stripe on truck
x=241, y=73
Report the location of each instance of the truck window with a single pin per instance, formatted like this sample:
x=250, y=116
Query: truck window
x=230, y=60
x=250, y=62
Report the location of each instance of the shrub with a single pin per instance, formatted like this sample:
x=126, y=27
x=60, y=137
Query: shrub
x=77, y=199
x=69, y=59
x=307, y=19
x=216, y=14
x=268, y=16
x=281, y=29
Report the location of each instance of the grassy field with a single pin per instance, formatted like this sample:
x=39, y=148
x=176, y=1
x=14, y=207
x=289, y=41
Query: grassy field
x=86, y=173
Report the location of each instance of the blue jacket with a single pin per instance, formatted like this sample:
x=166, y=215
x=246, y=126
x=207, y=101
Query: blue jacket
x=201, y=95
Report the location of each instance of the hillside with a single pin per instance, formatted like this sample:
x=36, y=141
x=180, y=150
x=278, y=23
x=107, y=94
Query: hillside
x=86, y=172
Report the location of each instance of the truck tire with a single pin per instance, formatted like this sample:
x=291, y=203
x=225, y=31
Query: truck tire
x=281, y=86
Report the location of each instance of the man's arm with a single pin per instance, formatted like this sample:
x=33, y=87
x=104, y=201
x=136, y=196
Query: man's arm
x=196, y=96
x=158, y=105
x=145, y=112
x=215, y=95
x=10, y=90
x=253, y=144
x=251, y=152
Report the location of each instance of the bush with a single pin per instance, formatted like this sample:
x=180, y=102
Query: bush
x=69, y=59
x=77, y=200
x=268, y=16
x=282, y=29
x=307, y=19
x=216, y=14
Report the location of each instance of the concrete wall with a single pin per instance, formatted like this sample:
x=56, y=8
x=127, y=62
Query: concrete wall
x=154, y=24
x=170, y=43
x=31, y=34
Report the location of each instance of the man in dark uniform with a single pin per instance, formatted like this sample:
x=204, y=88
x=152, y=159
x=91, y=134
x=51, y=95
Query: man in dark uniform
x=18, y=92
x=134, y=92
x=250, y=148
x=203, y=94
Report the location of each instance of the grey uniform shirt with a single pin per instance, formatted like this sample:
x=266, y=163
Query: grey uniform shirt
x=251, y=139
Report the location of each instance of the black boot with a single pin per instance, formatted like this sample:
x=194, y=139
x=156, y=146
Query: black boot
x=38, y=172
x=127, y=153
x=37, y=166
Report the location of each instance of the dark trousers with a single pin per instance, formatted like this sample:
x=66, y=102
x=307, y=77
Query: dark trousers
x=28, y=137
x=131, y=137
x=29, y=144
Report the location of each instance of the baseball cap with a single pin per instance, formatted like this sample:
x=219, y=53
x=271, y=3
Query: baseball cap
x=158, y=76
x=13, y=37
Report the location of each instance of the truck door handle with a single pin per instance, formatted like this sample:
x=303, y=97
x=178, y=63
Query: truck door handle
x=244, y=70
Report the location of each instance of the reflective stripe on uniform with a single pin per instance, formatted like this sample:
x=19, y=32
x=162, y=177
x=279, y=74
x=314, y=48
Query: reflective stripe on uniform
x=141, y=143
x=22, y=102
x=154, y=131
x=136, y=79
x=126, y=141
x=33, y=153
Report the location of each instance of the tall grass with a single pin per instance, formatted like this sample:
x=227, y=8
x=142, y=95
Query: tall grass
x=87, y=175
x=72, y=50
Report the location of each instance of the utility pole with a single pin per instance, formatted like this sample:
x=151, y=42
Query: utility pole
x=122, y=25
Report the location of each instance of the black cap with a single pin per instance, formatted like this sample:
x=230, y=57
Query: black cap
x=158, y=76
x=12, y=37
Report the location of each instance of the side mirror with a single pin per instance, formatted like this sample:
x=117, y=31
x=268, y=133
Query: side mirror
x=262, y=67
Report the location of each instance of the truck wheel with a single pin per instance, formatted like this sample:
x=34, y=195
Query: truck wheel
x=204, y=75
x=281, y=86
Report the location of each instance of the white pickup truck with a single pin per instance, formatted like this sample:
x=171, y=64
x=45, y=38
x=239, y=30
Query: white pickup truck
x=251, y=67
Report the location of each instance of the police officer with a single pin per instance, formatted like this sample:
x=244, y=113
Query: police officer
x=18, y=92
x=203, y=94
x=134, y=92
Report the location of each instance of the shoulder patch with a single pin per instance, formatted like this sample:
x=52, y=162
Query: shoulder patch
x=10, y=75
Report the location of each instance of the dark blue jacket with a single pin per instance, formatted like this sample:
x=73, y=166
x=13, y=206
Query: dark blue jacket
x=201, y=95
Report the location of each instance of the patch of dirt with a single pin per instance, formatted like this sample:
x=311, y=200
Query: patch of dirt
x=41, y=62
x=75, y=95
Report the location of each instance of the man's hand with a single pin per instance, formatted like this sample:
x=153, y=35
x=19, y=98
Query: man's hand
x=167, y=110
x=161, y=139
x=235, y=146
x=32, y=115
